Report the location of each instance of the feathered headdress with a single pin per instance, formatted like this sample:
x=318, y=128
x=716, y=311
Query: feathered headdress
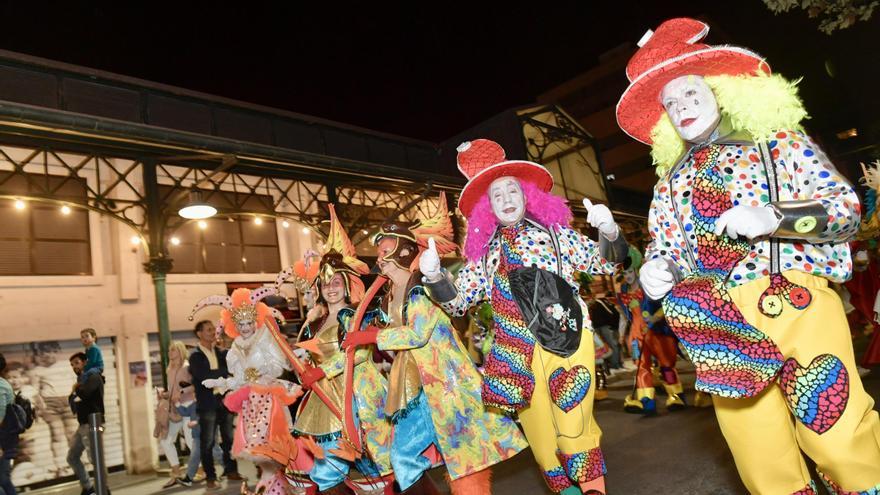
x=438, y=226
x=870, y=227
x=242, y=305
x=339, y=256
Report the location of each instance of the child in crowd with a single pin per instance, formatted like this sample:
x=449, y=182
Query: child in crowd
x=95, y=360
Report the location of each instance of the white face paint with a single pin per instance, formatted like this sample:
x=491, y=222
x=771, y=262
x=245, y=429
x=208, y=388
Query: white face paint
x=246, y=328
x=691, y=105
x=508, y=201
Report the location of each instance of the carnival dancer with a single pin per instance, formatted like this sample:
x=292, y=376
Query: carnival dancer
x=434, y=388
x=749, y=222
x=255, y=361
x=337, y=278
x=650, y=338
x=523, y=257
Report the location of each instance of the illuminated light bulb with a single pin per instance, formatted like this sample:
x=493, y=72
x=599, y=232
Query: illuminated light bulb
x=175, y=241
x=135, y=240
x=258, y=221
x=285, y=224
x=203, y=224
x=305, y=230
x=65, y=210
x=365, y=232
x=19, y=204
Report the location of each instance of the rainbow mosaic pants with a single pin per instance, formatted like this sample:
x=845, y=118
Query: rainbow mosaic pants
x=817, y=406
x=558, y=422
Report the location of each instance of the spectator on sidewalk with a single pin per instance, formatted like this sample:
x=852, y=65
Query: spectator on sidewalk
x=207, y=361
x=85, y=399
x=8, y=439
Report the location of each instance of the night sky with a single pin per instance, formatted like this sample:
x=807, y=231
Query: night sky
x=424, y=69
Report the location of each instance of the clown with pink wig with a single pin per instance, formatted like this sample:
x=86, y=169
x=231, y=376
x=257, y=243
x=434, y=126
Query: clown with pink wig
x=255, y=361
x=523, y=257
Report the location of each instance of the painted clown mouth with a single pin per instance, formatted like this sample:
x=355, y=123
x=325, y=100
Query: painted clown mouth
x=509, y=210
x=687, y=122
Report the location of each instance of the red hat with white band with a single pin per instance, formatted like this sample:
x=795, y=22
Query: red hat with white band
x=482, y=161
x=672, y=51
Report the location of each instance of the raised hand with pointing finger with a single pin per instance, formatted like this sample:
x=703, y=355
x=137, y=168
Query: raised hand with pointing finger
x=600, y=217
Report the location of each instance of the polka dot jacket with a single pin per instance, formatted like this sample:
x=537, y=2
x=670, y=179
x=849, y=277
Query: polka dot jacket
x=803, y=173
x=578, y=253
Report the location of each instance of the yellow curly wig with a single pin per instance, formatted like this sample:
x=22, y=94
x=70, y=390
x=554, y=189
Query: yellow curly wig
x=758, y=105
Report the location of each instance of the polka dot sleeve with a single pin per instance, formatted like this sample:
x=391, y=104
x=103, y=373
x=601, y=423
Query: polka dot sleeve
x=471, y=286
x=816, y=178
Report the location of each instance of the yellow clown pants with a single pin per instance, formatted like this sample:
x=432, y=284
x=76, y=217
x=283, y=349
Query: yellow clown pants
x=765, y=438
x=558, y=422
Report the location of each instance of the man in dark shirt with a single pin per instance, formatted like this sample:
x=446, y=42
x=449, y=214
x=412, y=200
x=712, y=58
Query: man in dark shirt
x=207, y=361
x=86, y=398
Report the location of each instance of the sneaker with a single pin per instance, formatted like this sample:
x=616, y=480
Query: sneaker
x=233, y=476
x=173, y=481
x=88, y=491
x=185, y=481
x=212, y=486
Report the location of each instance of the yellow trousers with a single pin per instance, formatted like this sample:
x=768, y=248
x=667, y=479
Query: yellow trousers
x=765, y=438
x=565, y=443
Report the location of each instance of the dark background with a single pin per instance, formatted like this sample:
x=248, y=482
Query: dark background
x=430, y=69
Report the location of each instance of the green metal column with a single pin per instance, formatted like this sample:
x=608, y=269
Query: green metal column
x=158, y=268
x=159, y=264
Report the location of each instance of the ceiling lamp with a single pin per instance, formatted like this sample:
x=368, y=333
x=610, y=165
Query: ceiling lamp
x=197, y=209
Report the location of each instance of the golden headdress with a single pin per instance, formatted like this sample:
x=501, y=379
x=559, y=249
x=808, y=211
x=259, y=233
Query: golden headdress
x=242, y=305
x=338, y=256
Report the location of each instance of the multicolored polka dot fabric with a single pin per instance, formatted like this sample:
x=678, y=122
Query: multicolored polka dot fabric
x=508, y=380
x=556, y=479
x=732, y=358
x=803, y=172
x=569, y=387
x=583, y=466
x=817, y=395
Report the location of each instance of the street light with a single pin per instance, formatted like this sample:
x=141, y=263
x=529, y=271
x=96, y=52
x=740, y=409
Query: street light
x=197, y=209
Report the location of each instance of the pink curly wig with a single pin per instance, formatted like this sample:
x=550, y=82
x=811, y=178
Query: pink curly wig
x=545, y=208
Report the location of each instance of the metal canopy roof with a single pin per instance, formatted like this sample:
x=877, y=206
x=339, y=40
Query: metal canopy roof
x=52, y=100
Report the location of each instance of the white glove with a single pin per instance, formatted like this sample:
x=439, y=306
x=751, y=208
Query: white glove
x=214, y=383
x=656, y=278
x=429, y=262
x=747, y=221
x=600, y=216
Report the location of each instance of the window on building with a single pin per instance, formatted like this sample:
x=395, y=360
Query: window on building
x=231, y=244
x=42, y=238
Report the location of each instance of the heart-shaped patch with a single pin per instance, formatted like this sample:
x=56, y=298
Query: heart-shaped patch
x=568, y=388
x=817, y=395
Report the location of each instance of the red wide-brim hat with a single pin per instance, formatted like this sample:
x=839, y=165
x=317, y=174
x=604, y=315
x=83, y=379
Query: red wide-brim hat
x=670, y=52
x=482, y=161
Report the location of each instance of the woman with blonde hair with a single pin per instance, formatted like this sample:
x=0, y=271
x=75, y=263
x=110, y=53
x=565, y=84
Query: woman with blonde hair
x=178, y=404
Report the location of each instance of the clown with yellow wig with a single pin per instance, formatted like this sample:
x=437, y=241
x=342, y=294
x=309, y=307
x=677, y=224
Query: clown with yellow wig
x=337, y=278
x=749, y=222
x=256, y=361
